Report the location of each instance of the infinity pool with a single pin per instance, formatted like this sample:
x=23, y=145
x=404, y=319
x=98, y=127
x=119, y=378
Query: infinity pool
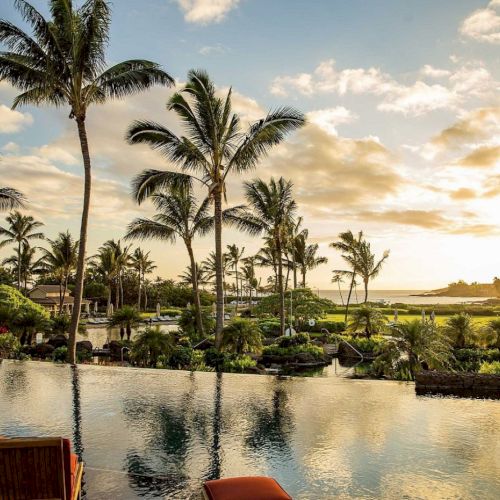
x=159, y=433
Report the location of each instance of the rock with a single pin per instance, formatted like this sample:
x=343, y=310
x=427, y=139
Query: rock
x=42, y=351
x=59, y=340
x=84, y=345
x=115, y=350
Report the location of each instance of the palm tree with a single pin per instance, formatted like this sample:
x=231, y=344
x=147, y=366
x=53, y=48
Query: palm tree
x=26, y=264
x=150, y=345
x=143, y=265
x=214, y=148
x=21, y=230
x=241, y=336
x=367, y=319
x=492, y=333
x=186, y=277
x=248, y=272
x=296, y=238
x=267, y=257
x=414, y=344
x=460, y=329
x=348, y=246
x=122, y=262
x=63, y=63
x=337, y=278
x=234, y=254
x=10, y=199
x=126, y=318
x=367, y=267
x=209, y=266
x=307, y=259
x=178, y=215
x=271, y=210
x=104, y=265
x=60, y=261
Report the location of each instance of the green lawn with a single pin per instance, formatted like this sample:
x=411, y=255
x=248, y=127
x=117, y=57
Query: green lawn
x=478, y=320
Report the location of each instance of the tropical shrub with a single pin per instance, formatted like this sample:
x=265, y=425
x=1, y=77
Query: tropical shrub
x=367, y=320
x=470, y=360
x=149, y=345
x=293, y=340
x=60, y=355
x=274, y=350
x=331, y=326
x=187, y=323
x=492, y=368
x=181, y=357
x=9, y=345
x=214, y=358
x=126, y=318
x=240, y=336
x=490, y=334
x=411, y=347
x=60, y=323
x=238, y=364
x=373, y=344
x=270, y=327
x=460, y=330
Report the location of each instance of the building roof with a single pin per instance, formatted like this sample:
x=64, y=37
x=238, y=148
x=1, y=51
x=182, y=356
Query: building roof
x=47, y=288
x=55, y=300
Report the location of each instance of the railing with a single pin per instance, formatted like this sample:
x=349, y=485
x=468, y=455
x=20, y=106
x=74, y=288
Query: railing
x=360, y=354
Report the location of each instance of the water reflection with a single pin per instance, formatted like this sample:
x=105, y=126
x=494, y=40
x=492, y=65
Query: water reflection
x=160, y=433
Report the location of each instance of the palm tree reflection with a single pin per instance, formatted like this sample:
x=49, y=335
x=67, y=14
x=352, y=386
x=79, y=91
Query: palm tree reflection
x=214, y=468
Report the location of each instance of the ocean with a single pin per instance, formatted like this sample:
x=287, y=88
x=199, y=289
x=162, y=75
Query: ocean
x=393, y=296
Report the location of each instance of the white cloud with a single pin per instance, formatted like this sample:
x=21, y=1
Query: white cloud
x=483, y=25
x=12, y=121
x=10, y=147
x=206, y=11
x=328, y=119
x=469, y=80
x=213, y=49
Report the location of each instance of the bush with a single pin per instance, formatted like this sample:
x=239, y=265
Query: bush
x=187, y=323
x=9, y=345
x=181, y=357
x=213, y=357
x=470, y=360
x=294, y=340
x=238, y=364
x=270, y=327
x=490, y=368
x=275, y=350
x=331, y=326
x=60, y=355
x=371, y=345
x=241, y=335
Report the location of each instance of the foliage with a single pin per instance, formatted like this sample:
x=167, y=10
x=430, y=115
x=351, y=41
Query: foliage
x=470, y=360
x=238, y=364
x=274, y=350
x=187, y=323
x=214, y=358
x=9, y=345
x=491, y=334
x=331, y=326
x=60, y=355
x=126, y=318
x=366, y=319
x=460, y=330
x=60, y=323
x=411, y=346
x=492, y=368
x=12, y=298
x=149, y=345
x=270, y=327
x=293, y=340
x=373, y=344
x=240, y=336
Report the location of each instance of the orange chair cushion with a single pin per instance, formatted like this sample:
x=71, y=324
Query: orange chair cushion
x=70, y=465
x=245, y=488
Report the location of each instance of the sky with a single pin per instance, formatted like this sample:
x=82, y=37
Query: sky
x=402, y=141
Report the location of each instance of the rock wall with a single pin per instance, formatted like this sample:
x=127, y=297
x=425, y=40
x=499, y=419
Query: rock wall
x=458, y=384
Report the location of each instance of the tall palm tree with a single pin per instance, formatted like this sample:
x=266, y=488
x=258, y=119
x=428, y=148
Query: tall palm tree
x=337, y=278
x=367, y=267
x=186, y=278
x=63, y=63
x=26, y=264
x=348, y=246
x=103, y=264
x=214, y=148
x=60, y=261
x=297, y=238
x=234, y=254
x=10, y=198
x=21, y=230
x=122, y=262
x=143, y=265
x=248, y=273
x=267, y=257
x=307, y=259
x=178, y=216
x=271, y=210
x=209, y=266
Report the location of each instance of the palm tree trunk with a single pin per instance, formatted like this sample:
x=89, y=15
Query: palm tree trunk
x=340, y=293
x=294, y=271
x=287, y=274
x=60, y=296
x=109, y=297
x=117, y=293
x=366, y=291
x=65, y=288
x=196, y=291
x=121, y=290
x=281, y=291
x=139, y=294
x=304, y=277
x=80, y=267
x=237, y=289
x=219, y=285
x=349, y=298
x=19, y=266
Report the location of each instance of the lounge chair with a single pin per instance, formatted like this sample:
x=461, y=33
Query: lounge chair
x=244, y=488
x=40, y=468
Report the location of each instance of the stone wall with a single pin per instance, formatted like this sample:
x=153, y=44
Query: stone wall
x=458, y=384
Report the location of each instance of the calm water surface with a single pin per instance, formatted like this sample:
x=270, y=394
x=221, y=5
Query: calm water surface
x=158, y=434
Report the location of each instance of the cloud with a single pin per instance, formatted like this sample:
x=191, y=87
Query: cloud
x=330, y=118
x=484, y=156
x=428, y=219
x=213, y=49
x=470, y=80
x=463, y=194
x=12, y=121
x=206, y=11
x=483, y=25
x=477, y=230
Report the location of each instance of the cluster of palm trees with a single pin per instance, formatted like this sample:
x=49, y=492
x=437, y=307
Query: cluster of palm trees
x=361, y=261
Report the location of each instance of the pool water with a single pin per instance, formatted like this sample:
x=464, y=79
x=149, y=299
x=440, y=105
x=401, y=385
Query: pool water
x=159, y=433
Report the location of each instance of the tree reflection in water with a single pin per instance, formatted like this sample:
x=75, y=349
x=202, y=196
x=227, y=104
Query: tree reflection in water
x=272, y=426
x=214, y=468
